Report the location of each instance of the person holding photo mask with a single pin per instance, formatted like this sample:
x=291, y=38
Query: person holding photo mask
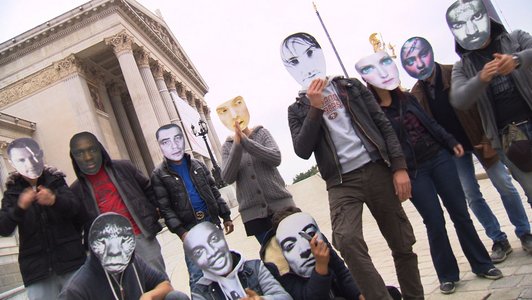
x=250, y=158
x=428, y=147
x=358, y=155
x=49, y=218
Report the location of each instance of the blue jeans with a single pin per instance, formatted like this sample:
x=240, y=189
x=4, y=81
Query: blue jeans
x=438, y=176
x=48, y=288
x=511, y=200
x=524, y=178
x=194, y=272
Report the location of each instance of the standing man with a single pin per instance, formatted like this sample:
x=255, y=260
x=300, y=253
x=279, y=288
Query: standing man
x=38, y=201
x=360, y=158
x=106, y=185
x=432, y=91
x=494, y=74
x=186, y=191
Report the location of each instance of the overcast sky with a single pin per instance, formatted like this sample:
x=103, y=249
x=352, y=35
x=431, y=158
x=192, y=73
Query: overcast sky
x=234, y=44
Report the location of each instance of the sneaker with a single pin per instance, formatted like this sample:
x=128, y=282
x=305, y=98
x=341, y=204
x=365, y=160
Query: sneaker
x=526, y=242
x=500, y=251
x=492, y=274
x=447, y=287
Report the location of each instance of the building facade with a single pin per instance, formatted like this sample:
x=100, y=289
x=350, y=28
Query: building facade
x=110, y=67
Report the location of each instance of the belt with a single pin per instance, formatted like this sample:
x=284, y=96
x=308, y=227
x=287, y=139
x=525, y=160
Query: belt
x=200, y=215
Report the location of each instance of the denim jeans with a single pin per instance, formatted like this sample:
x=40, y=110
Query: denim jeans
x=438, y=176
x=194, y=272
x=372, y=184
x=524, y=178
x=511, y=200
x=150, y=251
x=48, y=288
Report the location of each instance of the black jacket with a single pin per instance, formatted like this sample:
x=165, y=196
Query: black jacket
x=134, y=188
x=311, y=135
x=90, y=282
x=50, y=236
x=445, y=139
x=174, y=203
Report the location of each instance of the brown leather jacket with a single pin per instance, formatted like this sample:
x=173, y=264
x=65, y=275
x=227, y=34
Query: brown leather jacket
x=469, y=119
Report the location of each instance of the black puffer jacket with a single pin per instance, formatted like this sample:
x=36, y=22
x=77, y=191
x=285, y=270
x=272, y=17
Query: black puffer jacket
x=134, y=188
x=174, y=203
x=311, y=135
x=50, y=239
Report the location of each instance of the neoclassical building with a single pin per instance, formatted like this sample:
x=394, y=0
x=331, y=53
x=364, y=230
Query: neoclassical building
x=110, y=67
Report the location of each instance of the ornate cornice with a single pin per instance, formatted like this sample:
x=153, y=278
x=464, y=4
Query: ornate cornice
x=41, y=79
x=120, y=42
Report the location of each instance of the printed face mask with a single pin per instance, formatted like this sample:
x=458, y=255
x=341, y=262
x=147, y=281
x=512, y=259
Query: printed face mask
x=172, y=143
x=292, y=234
x=112, y=240
x=379, y=70
x=469, y=22
x=303, y=58
x=417, y=58
x=87, y=153
x=26, y=156
x=205, y=244
x=234, y=110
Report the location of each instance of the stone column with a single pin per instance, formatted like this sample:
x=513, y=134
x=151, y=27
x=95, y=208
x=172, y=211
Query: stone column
x=125, y=127
x=216, y=137
x=78, y=92
x=169, y=82
x=122, y=47
x=3, y=166
x=137, y=131
x=214, y=148
x=158, y=75
x=143, y=61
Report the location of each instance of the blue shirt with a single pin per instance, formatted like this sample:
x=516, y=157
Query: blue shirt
x=198, y=204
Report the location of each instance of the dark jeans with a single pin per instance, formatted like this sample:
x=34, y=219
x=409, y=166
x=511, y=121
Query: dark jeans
x=372, y=184
x=439, y=176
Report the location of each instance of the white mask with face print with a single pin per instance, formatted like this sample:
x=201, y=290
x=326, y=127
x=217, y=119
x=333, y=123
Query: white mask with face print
x=469, y=23
x=172, y=143
x=379, y=70
x=303, y=58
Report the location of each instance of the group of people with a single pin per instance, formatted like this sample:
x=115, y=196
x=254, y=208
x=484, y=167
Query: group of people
x=374, y=144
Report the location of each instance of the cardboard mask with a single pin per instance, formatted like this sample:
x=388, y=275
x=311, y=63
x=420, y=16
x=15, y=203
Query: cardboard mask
x=205, y=244
x=303, y=58
x=417, y=58
x=234, y=110
x=469, y=23
x=293, y=236
x=379, y=70
x=26, y=156
x=171, y=141
x=112, y=240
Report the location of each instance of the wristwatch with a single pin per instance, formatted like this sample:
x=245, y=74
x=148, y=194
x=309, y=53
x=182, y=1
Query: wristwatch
x=517, y=61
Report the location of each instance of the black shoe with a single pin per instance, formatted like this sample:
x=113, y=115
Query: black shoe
x=500, y=251
x=447, y=287
x=492, y=274
x=526, y=242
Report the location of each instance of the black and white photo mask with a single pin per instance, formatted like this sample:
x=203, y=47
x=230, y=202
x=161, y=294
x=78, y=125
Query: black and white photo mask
x=293, y=236
x=303, y=58
x=112, y=241
x=469, y=23
x=171, y=141
x=26, y=156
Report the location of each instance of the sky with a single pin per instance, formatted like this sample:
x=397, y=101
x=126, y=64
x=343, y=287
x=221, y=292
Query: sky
x=234, y=44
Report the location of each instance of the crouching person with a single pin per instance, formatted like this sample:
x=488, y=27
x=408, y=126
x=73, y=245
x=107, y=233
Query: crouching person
x=226, y=274
x=112, y=271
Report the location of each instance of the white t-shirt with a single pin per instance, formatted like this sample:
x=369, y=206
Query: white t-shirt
x=350, y=150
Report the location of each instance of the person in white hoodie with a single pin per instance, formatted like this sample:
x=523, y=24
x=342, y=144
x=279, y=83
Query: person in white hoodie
x=226, y=273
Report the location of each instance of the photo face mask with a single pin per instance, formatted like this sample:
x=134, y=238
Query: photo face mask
x=417, y=58
x=469, y=22
x=172, y=143
x=379, y=70
x=205, y=244
x=291, y=235
x=26, y=157
x=234, y=110
x=112, y=240
x=87, y=153
x=303, y=58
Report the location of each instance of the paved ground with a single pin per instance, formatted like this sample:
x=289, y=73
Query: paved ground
x=311, y=196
